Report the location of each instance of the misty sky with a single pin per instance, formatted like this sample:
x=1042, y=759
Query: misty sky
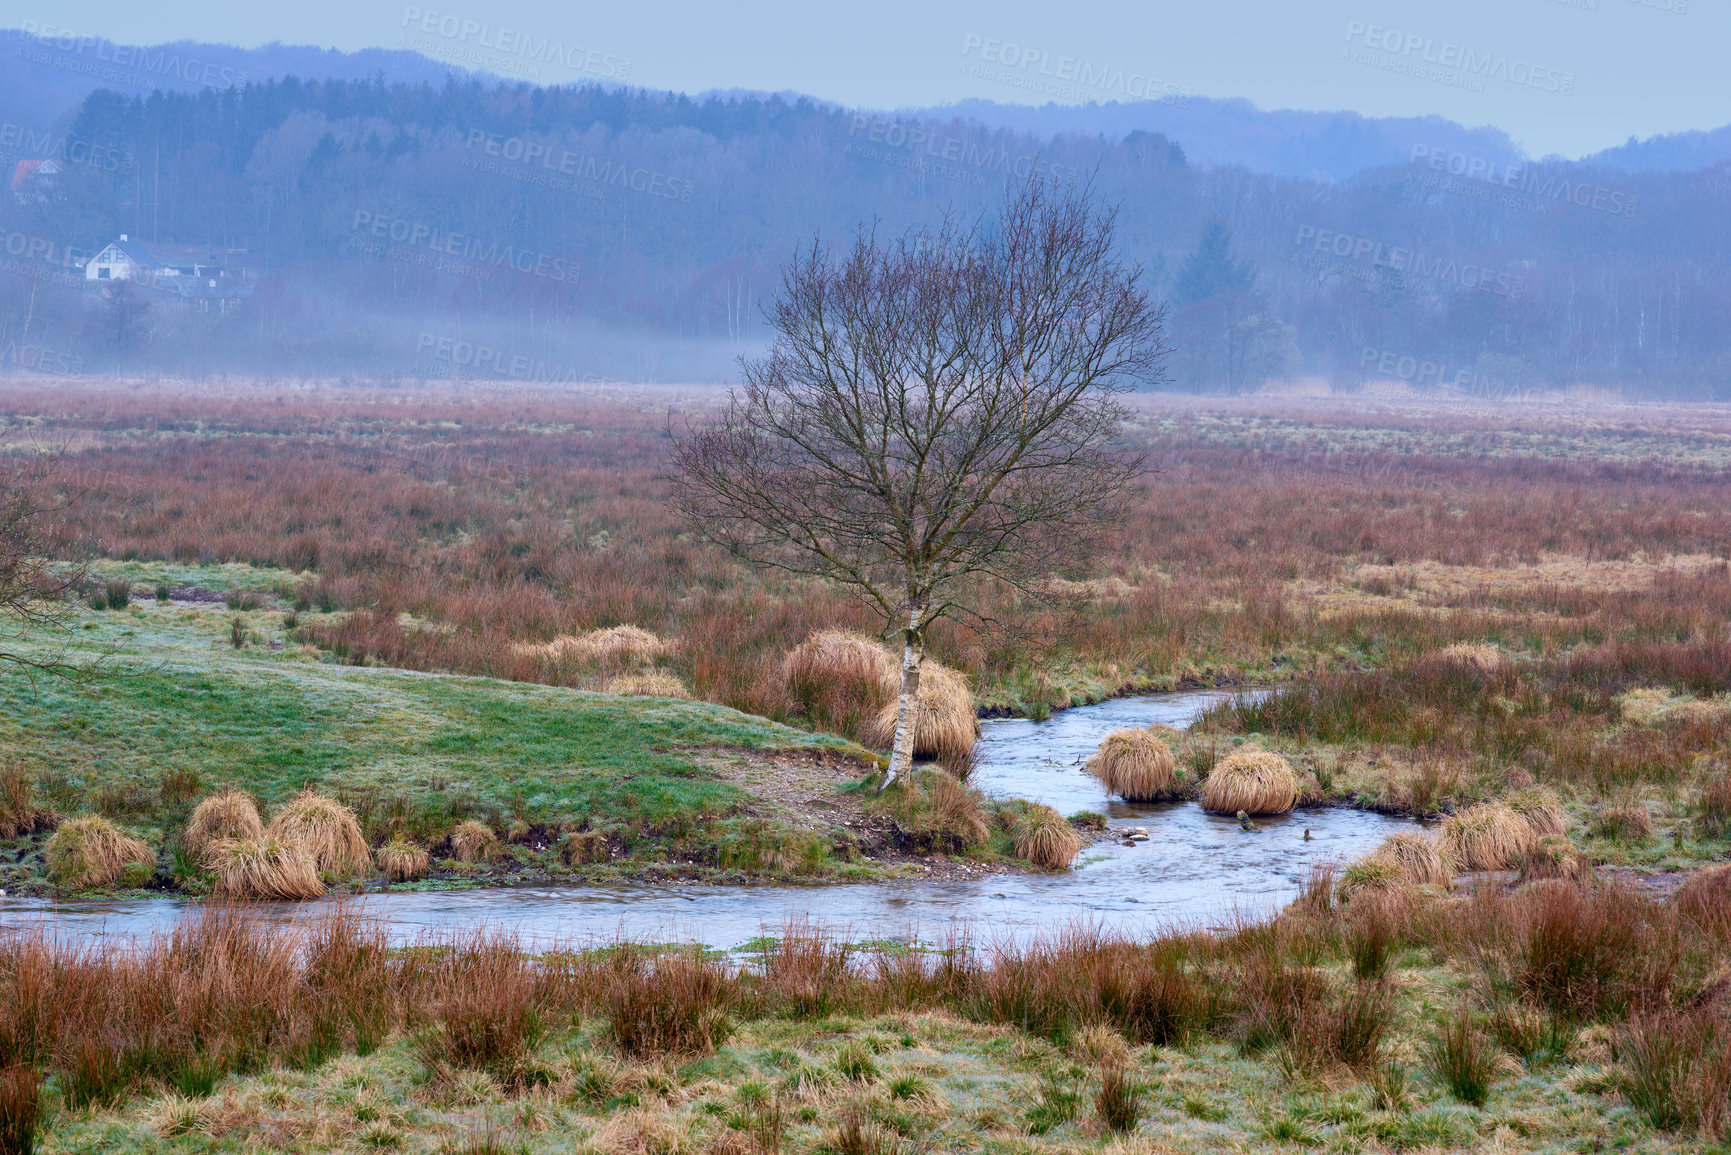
x=1560, y=76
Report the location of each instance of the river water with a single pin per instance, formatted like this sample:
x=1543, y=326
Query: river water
x=1195, y=869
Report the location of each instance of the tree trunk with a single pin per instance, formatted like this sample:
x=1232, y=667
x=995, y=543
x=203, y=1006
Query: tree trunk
x=907, y=709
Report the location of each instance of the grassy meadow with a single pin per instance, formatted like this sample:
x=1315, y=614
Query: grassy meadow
x=468, y=617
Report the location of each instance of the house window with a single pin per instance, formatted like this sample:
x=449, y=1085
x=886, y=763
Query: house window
x=102, y=273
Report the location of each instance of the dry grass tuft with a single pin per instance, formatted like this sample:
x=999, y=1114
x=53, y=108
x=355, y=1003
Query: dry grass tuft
x=1045, y=838
x=839, y=679
x=1541, y=811
x=585, y=847
x=1480, y=660
x=1375, y=874
x=473, y=841
x=615, y=646
x=1625, y=820
x=1555, y=857
x=228, y=813
x=648, y=684
x=1253, y=780
x=1423, y=861
x=19, y=813
x=956, y=811
x=90, y=851
x=401, y=860
x=261, y=868
x=325, y=829
x=1135, y=764
x=945, y=727
x=1705, y=900
x=1486, y=837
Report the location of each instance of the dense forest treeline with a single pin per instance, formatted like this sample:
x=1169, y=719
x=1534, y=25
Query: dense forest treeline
x=512, y=230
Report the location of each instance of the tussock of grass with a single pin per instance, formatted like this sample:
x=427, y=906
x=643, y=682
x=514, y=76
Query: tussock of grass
x=401, y=860
x=19, y=813
x=90, y=851
x=1375, y=873
x=1474, y=658
x=473, y=841
x=327, y=830
x=945, y=727
x=839, y=679
x=1045, y=838
x=1486, y=837
x=1421, y=858
x=1135, y=764
x=1253, y=780
x=956, y=810
x=1540, y=810
x=229, y=813
x=261, y=868
x=648, y=684
x=615, y=646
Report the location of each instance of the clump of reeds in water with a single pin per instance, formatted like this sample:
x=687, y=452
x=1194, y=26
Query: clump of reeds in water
x=1251, y=780
x=1045, y=838
x=1135, y=764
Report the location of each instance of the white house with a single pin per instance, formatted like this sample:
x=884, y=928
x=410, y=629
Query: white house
x=123, y=260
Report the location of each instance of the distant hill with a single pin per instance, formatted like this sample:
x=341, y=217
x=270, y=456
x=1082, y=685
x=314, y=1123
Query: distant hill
x=1674, y=152
x=1331, y=146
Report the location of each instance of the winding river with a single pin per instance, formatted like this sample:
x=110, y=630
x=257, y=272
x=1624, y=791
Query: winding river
x=1195, y=869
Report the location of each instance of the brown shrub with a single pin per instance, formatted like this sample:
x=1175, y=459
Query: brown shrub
x=486, y=1003
x=473, y=841
x=1135, y=764
x=327, y=830
x=228, y=813
x=90, y=851
x=669, y=1005
x=261, y=868
x=20, y=1104
x=401, y=860
x=1045, y=838
x=1253, y=780
x=1485, y=837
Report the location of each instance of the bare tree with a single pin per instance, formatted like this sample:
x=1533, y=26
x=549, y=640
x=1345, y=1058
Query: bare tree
x=933, y=411
x=33, y=592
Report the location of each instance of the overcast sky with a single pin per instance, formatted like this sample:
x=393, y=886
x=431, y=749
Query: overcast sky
x=1560, y=76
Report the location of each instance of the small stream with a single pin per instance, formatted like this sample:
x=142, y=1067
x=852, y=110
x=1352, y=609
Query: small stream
x=1196, y=869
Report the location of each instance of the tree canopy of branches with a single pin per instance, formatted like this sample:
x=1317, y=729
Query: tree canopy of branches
x=32, y=593
x=935, y=410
